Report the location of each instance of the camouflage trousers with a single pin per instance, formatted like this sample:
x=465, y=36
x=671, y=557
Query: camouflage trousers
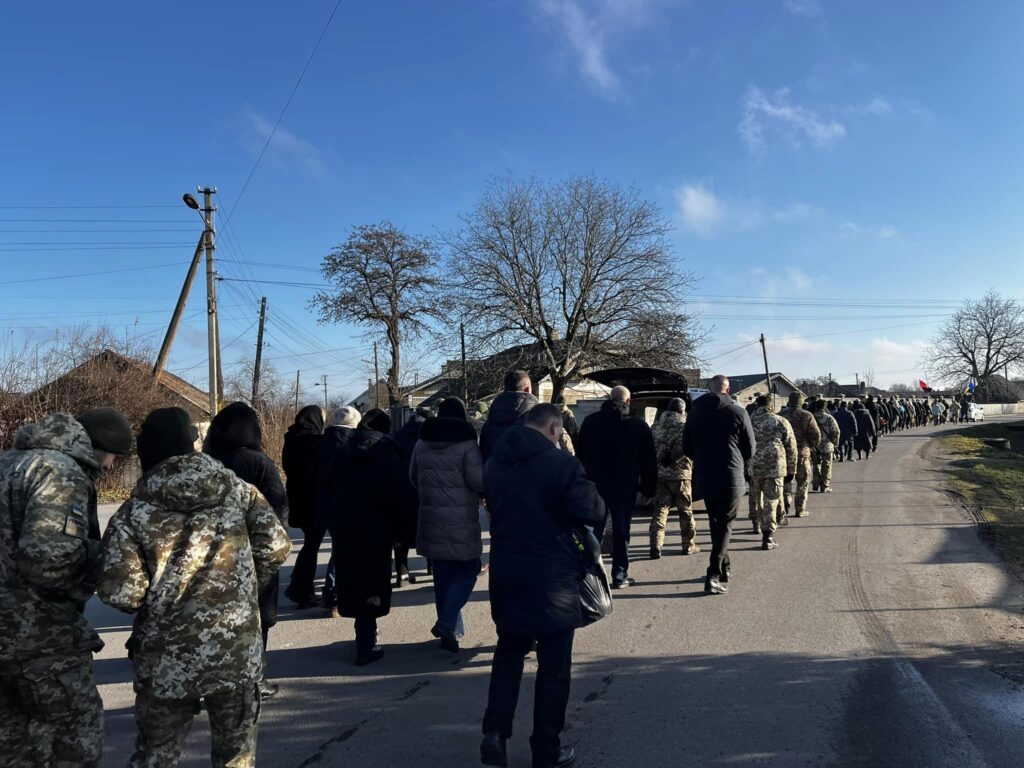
x=796, y=495
x=673, y=494
x=768, y=491
x=164, y=723
x=51, y=714
x=822, y=466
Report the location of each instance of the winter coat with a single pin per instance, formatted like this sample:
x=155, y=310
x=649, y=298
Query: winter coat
x=847, y=424
x=508, y=410
x=673, y=464
x=364, y=488
x=720, y=440
x=234, y=440
x=829, y=431
x=407, y=438
x=617, y=452
x=50, y=552
x=536, y=493
x=187, y=554
x=865, y=429
x=448, y=472
x=298, y=458
x=808, y=435
x=872, y=408
x=331, y=448
x=776, y=451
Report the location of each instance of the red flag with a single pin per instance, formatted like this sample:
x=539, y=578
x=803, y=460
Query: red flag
x=923, y=384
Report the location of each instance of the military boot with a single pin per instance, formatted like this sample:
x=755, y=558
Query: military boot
x=768, y=543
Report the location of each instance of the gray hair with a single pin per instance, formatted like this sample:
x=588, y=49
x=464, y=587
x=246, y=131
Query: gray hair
x=345, y=416
x=718, y=384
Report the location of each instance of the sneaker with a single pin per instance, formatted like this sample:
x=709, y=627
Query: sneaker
x=492, y=750
x=267, y=688
x=693, y=549
x=714, y=586
x=769, y=543
x=827, y=490
x=623, y=581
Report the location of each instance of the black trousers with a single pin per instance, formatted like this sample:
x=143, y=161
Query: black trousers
x=721, y=512
x=401, y=559
x=304, y=572
x=551, y=692
x=621, y=518
x=366, y=636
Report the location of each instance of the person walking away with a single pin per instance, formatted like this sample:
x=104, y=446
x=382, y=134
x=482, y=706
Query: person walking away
x=829, y=428
x=865, y=430
x=364, y=484
x=847, y=431
x=719, y=440
x=536, y=494
x=344, y=421
x=872, y=408
x=298, y=458
x=448, y=473
x=772, y=466
x=235, y=439
x=187, y=554
x=509, y=409
x=50, y=557
x=808, y=436
x=407, y=437
x=674, y=481
x=617, y=451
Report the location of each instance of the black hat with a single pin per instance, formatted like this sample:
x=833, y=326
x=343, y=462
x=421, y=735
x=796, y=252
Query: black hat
x=377, y=420
x=452, y=408
x=166, y=432
x=108, y=430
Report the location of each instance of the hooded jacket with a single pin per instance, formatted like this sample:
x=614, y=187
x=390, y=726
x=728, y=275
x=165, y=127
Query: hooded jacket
x=806, y=429
x=847, y=424
x=720, y=440
x=865, y=428
x=508, y=410
x=49, y=540
x=298, y=459
x=776, y=452
x=617, y=451
x=187, y=554
x=448, y=473
x=673, y=464
x=536, y=492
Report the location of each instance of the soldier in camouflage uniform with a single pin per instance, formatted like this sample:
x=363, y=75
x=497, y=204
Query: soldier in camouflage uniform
x=50, y=712
x=808, y=435
x=187, y=554
x=674, y=473
x=822, y=455
x=773, y=464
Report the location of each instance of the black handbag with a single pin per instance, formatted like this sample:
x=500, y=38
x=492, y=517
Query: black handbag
x=595, y=595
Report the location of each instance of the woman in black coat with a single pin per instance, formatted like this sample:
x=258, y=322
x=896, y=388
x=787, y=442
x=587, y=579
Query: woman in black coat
x=299, y=458
x=236, y=441
x=866, y=432
x=405, y=538
x=364, y=497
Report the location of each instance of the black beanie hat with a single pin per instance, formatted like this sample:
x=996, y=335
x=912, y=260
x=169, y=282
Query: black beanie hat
x=108, y=430
x=166, y=432
x=452, y=408
x=377, y=420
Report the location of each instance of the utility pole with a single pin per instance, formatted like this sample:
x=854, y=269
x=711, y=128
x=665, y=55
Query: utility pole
x=856, y=381
x=297, y=391
x=465, y=379
x=212, y=325
x=767, y=375
x=179, y=308
x=376, y=378
x=259, y=351
x=321, y=383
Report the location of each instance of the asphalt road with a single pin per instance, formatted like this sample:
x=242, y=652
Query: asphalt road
x=883, y=632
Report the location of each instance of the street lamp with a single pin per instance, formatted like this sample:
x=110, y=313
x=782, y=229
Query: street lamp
x=190, y=201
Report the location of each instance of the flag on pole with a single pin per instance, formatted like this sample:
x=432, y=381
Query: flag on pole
x=970, y=386
x=924, y=385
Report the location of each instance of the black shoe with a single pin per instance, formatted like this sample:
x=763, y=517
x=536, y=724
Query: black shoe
x=492, y=750
x=267, y=688
x=655, y=554
x=302, y=601
x=449, y=642
x=412, y=577
x=369, y=658
x=769, y=543
x=726, y=575
x=566, y=757
x=714, y=586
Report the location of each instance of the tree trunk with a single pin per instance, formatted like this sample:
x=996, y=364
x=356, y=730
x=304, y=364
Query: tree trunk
x=394, y=372
x=558, y=383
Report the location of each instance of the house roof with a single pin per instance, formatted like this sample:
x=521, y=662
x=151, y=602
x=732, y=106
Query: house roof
x=739, y=383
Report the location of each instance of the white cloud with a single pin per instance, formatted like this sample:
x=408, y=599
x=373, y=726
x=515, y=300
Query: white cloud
x=702, y=212
x=848, y=229
x=806, y=8
x=887, y=232
x=286, y=150
x=797, y=345
x=878, y=106
x=767, y=114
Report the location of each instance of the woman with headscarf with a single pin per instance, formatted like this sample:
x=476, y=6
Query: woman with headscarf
x=363, y=496
x=448, y=473
x=299, y=459
x=236, y=441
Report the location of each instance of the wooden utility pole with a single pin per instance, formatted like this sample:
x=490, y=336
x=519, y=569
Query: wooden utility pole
x=325, y=391
x=767, y=375
x=179, y=308
x=212, y=325
x=465, y=380
x=376, y=378
x=259, y=351
x=297, y=391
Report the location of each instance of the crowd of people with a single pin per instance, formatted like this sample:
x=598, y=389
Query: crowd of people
x=195, y=552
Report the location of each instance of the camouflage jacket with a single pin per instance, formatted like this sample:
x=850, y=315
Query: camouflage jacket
x=808, y=435
x=829, y=430
x=668, y=446
x=188, y=552
x=775, y=455
x=49, y=540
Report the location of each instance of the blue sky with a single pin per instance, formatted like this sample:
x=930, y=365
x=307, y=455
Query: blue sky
x=866, y=153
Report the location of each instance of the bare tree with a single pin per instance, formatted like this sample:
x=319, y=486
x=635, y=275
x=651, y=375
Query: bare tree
x=385, y=280
x=980, y=340
x=580, y=269
x=868, y=378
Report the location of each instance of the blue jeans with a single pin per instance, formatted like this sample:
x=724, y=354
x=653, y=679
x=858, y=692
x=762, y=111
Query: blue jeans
x=453, y=584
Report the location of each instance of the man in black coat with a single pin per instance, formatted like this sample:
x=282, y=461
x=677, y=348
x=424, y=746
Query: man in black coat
x=298, y=459
x=847, y=431
x=872, y=408
x=535, y=493
x=617, y=450
x=407, y=437
x=508, y=410
x=720, y=441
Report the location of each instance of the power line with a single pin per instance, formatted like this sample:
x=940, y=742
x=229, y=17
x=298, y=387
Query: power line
x=79, y=207
x=98, y=221
x=76, y=249
x=91, y=274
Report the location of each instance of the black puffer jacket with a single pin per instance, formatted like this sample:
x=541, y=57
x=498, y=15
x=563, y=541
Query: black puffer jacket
x=508, y=410
x=720, y=440
x=617, y=450
x=299, y=457
x=535, y=492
